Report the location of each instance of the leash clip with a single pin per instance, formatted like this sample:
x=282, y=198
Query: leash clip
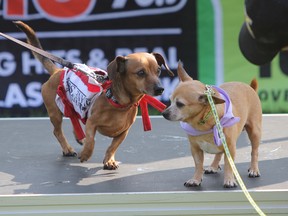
x=90, y=72
x=85, y=69
x=209, y=90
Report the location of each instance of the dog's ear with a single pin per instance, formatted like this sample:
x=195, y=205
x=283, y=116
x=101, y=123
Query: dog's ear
x=121, y=62
x=160, y=60
x=203, y=99
x=117, y=65
x=182, y=74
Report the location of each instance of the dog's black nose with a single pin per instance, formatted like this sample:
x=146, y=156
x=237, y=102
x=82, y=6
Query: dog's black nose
x=158, y=90
x=165, y=114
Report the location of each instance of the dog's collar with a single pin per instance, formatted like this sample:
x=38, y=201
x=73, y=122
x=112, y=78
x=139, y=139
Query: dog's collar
x=227, y=120
x=113, y=101
x=143, y=103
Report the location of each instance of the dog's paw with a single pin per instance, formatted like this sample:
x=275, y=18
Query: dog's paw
x=84, y=157
x=70, y=154
x=211, y=170
x=231, y=183
x=111, y=165
x=253, y=173
x=192, y=183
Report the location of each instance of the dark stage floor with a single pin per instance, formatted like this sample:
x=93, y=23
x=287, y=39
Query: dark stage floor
x=155, y=161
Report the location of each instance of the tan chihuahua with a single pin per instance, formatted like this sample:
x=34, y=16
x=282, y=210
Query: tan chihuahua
x=238, y=107
x=132, y=77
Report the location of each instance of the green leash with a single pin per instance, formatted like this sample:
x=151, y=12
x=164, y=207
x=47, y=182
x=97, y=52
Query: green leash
x=209, y=93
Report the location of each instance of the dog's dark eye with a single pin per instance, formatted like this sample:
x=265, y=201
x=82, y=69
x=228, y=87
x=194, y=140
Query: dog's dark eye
x=141, y=73
x=179, y=104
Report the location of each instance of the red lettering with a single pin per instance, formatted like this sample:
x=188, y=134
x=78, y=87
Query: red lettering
x=15, y=7
x=64, y=9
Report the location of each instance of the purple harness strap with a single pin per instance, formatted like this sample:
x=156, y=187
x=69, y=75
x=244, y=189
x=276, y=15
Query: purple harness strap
x=226, y=121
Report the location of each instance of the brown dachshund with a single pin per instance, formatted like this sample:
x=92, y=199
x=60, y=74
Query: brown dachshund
x=132, y=77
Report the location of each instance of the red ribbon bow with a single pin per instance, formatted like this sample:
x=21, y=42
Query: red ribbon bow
x=147, y=99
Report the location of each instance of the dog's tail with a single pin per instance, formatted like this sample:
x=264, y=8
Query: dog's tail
x=33, y=40
x=254, y=84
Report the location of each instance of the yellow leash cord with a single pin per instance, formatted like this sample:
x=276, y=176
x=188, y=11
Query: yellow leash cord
x=209, y=92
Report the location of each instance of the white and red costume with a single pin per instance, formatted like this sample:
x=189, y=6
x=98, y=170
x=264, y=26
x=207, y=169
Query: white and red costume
x=78, y=91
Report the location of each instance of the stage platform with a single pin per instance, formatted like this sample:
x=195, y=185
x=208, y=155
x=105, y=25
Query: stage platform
x=36, y=180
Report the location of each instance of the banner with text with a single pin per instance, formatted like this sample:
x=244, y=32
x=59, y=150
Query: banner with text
x=203, y=34
x=93, y=32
